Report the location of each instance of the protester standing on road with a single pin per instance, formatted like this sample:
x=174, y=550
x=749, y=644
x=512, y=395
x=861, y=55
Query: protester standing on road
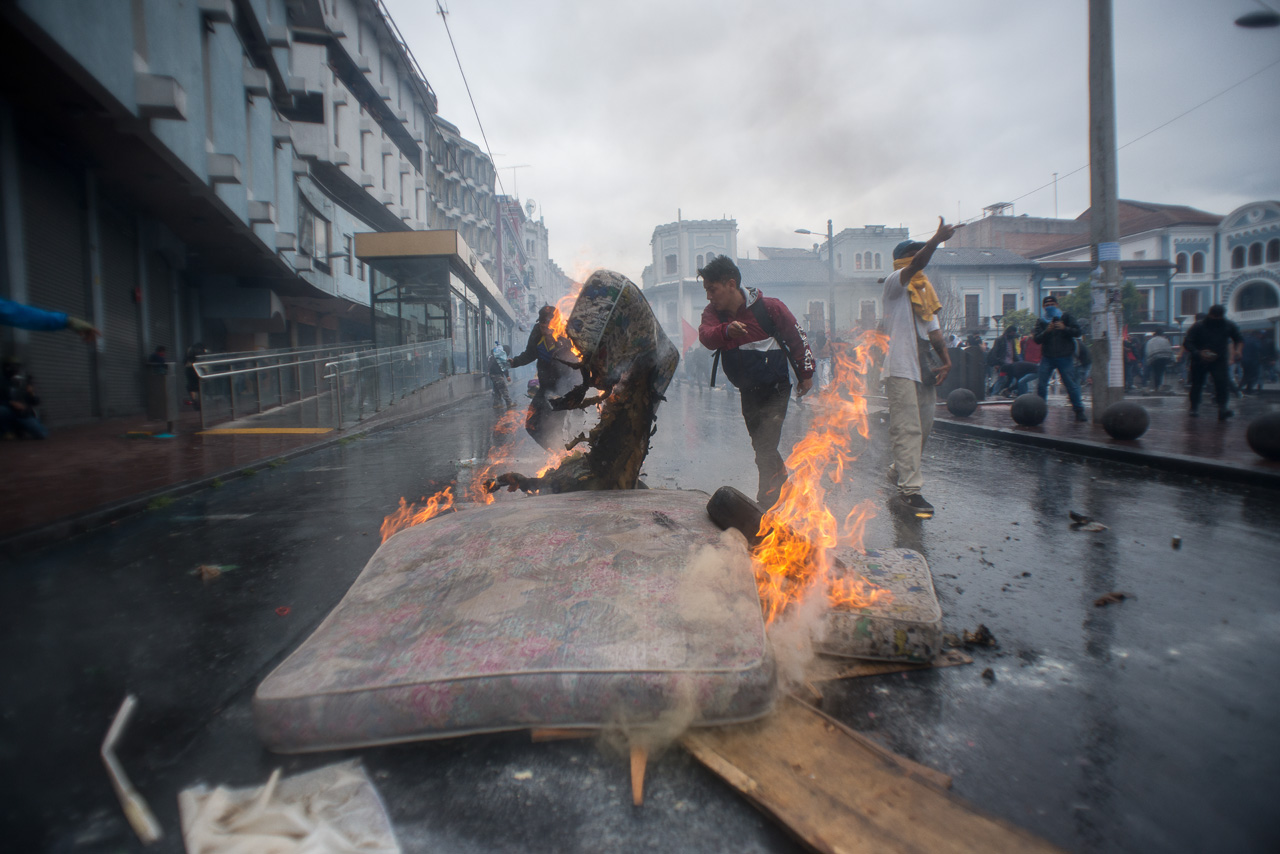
x=500, y=374
x=556, y=364
x=1212, y=345
x=911, y=382
x=1056, y=333
x=757, y=337
x=1159, y=356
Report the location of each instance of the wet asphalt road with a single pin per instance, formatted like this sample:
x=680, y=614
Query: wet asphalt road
x=1150, y=725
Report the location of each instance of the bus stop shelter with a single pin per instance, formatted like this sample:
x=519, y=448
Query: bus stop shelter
x=430, y=285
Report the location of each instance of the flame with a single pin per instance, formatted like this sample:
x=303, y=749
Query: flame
x=799, y=531
x=409, y=515
x=559, y=325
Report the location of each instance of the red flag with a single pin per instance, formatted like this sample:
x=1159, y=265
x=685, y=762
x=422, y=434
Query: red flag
x=690, y=335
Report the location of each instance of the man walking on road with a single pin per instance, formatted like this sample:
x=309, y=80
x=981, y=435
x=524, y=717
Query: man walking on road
x=556, y=364
x=1212, y=345
x=911, y=380
x=757, y=336
x=1056, y=333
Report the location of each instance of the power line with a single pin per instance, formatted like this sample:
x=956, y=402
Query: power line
x=444, y=16
x=1186, y=112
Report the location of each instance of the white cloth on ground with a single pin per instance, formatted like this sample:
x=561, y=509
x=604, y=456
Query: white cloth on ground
x=332, y=810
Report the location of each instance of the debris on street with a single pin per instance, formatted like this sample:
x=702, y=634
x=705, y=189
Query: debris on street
x=828, y=784
x=335, y=808
x=135, y=807
x=980, y=637
x=1080, y=522
x=1113, y=598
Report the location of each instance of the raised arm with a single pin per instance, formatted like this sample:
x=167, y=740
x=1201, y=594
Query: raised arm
x=921, y=259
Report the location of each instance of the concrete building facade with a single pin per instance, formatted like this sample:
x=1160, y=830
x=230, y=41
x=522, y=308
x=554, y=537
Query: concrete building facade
x=196, y=170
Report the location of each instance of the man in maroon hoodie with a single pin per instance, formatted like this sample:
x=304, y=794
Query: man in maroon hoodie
x=757, y=338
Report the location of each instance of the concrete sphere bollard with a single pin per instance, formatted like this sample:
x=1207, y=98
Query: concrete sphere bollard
x=1263, y=435
x=961, y=402
x=1029, y=409
x=1125, y=419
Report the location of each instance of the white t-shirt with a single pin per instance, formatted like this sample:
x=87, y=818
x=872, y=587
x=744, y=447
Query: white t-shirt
x=904, y=329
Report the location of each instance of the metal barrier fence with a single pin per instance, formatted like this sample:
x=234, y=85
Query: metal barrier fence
x=238, y=385
x=364, y=382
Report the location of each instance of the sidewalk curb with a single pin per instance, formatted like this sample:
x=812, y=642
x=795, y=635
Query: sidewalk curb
x=1180, y=463
x=24, y=542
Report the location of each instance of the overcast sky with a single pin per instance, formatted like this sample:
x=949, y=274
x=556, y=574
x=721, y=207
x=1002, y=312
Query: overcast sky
x=891, y=112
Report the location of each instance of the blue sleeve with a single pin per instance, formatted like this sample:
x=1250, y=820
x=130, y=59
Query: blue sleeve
x=25, y=317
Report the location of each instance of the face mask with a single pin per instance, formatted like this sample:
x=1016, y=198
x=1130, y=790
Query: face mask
x=1052, y=313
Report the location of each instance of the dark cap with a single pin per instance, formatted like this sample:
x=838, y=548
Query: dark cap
x=906, y=249
x=1049, y=298
x=546, y=312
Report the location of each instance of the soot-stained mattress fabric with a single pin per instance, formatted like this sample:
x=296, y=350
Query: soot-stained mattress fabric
x=573, y=610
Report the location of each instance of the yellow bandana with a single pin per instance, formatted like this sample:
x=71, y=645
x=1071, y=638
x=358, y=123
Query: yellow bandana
x=924, y=300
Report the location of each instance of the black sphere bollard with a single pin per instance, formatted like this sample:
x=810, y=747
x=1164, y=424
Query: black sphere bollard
x=1125, y=419
x=1029, y=409
x=1263, y=436
x=962, y=402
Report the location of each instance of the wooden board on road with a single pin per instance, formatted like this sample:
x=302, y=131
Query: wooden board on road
x=837, y=792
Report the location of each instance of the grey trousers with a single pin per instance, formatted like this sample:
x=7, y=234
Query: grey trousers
x=911, y=410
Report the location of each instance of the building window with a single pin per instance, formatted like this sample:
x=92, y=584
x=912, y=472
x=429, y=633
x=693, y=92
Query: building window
x=877, y=260
x=1273, y=250
x=348, y=248
x=972, y=310
x=1255, y=254
x=1257, y=295
x=1237, y=258
x=857, y=260
x=840, y=260
x=337, y=119
x=867, y=313
x=360, y=270
x=700, y=264
x=1008, y=303
x=313, y=233
x=671, y=265
x=1197, y=262
x=1189, y=303
x=1181, y=263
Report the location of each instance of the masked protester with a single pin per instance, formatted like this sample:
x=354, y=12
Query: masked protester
x=1056, y=333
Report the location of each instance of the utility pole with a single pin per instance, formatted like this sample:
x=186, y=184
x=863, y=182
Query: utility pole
x=1104, y=228
x=831, y=280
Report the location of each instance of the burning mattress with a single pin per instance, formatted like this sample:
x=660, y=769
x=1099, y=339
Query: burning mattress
x=573, y=610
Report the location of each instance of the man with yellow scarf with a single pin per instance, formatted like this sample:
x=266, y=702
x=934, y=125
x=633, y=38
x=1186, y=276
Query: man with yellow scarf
x=911, y=318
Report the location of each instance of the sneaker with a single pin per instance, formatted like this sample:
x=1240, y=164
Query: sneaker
x=916, y=505
x=1080, y=416
x=1225, y=414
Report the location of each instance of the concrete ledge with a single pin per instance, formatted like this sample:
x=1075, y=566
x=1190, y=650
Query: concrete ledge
x=432, y=400
x=1263, y=474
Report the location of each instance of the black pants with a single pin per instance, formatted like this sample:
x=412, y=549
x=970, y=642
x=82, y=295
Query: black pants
x=764, y=408
x=1221, y=382
x=544, y=424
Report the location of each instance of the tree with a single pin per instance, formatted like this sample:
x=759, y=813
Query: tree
x=1022, y=318
x=1079, y=303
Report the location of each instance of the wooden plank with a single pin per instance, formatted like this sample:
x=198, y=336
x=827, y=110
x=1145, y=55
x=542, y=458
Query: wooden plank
x=826, y=668
x=837, y=794
x=552, y=734
x=639, y=758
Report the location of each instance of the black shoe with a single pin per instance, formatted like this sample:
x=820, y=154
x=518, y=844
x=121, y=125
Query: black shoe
x=1225, y=414
x=916, y=505
x=1080, y=416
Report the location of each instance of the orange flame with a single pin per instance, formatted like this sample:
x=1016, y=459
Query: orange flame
x=409, y=515
x=559, y=325
x=799, y=531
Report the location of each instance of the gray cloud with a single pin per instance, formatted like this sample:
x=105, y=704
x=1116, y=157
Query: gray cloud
x=862, y=112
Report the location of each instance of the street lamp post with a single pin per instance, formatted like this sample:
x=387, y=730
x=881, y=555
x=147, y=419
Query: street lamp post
x=831, y=278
